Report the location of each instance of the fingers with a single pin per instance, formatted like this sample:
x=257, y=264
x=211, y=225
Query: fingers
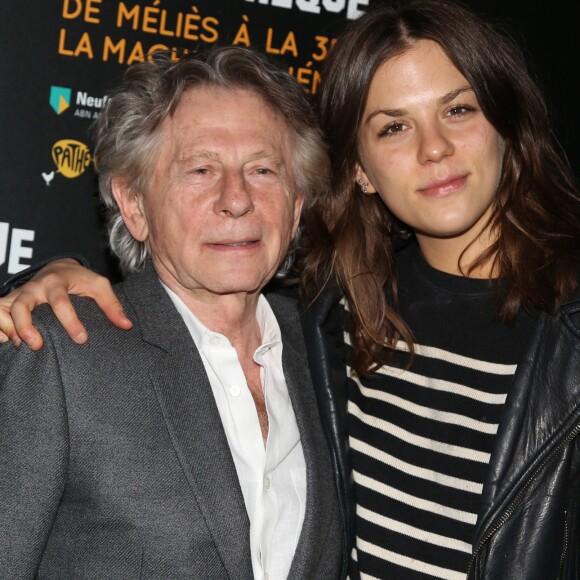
x=57, y=296
x=52, y=289
x=106, y=299
x=52, y=285
x=49, y=286
x=7, y=330
x=23, y=328
x=67, y=316
x=115, y=313
x=86, y=283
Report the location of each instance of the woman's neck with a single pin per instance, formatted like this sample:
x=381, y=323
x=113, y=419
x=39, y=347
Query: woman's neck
x=456, y=255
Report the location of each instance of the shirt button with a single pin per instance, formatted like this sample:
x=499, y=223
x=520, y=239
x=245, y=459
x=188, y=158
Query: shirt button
x=235, y=391
x=267, y=482
x=214, y=340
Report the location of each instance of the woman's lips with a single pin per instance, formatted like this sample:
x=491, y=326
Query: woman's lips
x=444, y=187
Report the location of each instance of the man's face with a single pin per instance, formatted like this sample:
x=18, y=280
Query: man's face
x=221, y=209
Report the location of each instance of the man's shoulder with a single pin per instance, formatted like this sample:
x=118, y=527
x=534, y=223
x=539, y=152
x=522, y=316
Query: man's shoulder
x=89, y=313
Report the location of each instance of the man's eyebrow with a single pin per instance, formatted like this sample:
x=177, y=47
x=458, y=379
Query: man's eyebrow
x=263, y=154
x=201, y=154
x=187, y=157
x=444, y=100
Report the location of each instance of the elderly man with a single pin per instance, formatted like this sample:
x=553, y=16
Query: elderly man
x=190, y=445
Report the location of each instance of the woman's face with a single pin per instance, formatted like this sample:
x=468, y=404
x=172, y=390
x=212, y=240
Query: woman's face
x=427, y=149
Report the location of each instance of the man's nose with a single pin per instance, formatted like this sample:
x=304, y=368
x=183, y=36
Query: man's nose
x=235, y=198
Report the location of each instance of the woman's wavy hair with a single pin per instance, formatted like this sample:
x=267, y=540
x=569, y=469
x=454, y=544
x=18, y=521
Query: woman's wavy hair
x=536, y=215
x=127, y=139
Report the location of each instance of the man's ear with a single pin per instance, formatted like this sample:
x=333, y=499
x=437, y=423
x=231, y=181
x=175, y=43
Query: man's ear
x=363, y=181
x=131, y=208
x=298, y=203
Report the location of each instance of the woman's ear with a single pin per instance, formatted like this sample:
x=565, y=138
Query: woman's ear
x=363, y=181
x=132, y=210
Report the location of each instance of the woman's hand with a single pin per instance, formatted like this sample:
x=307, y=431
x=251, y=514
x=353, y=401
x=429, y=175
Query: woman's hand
x=52, y=285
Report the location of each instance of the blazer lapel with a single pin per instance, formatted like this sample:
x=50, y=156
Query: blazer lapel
x=193, y=422
x=321, y=497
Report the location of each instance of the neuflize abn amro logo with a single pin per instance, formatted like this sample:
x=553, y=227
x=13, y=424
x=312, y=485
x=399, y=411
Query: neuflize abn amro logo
x=60, y=99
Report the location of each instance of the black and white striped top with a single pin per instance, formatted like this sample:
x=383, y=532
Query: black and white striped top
x=421, y=438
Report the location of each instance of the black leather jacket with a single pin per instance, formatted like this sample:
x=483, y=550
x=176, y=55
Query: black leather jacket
x=528, y=526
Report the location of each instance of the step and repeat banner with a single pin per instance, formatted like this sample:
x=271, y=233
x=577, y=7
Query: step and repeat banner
x=58, y=58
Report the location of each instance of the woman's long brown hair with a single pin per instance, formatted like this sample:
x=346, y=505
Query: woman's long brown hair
x=350, y=236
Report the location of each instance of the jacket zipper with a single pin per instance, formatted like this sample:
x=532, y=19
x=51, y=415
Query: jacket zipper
x=565, y=549
x=500, y=521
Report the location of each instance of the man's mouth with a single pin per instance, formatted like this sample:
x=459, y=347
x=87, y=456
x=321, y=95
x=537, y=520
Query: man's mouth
x=237, y=244
x=234, y=244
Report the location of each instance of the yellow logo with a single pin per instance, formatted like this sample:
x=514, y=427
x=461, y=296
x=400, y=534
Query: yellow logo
x=71, y=157
x=62, y=105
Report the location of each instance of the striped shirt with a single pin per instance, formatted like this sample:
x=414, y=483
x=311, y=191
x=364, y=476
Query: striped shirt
x=421, y=438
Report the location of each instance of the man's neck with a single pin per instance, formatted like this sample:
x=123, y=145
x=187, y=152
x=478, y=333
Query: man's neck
x=233, y=315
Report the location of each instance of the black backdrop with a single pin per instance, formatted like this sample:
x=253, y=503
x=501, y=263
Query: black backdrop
x=58, y=58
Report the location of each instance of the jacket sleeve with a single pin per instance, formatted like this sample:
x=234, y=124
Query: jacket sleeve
x=33, y=455
x=22, y=277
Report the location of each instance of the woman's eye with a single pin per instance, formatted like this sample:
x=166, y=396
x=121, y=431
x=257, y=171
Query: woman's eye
x=263, y=171
x=460, y=110
x=392, y=129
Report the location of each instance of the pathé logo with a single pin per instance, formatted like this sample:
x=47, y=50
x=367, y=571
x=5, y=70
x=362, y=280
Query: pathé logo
x=71, y=157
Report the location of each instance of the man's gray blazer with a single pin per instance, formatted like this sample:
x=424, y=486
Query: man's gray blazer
x=114, y=463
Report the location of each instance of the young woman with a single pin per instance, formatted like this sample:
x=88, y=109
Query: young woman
x=443, y=318
x=461, y=401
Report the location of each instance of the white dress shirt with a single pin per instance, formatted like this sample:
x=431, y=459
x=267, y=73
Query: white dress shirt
x=272, y=479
